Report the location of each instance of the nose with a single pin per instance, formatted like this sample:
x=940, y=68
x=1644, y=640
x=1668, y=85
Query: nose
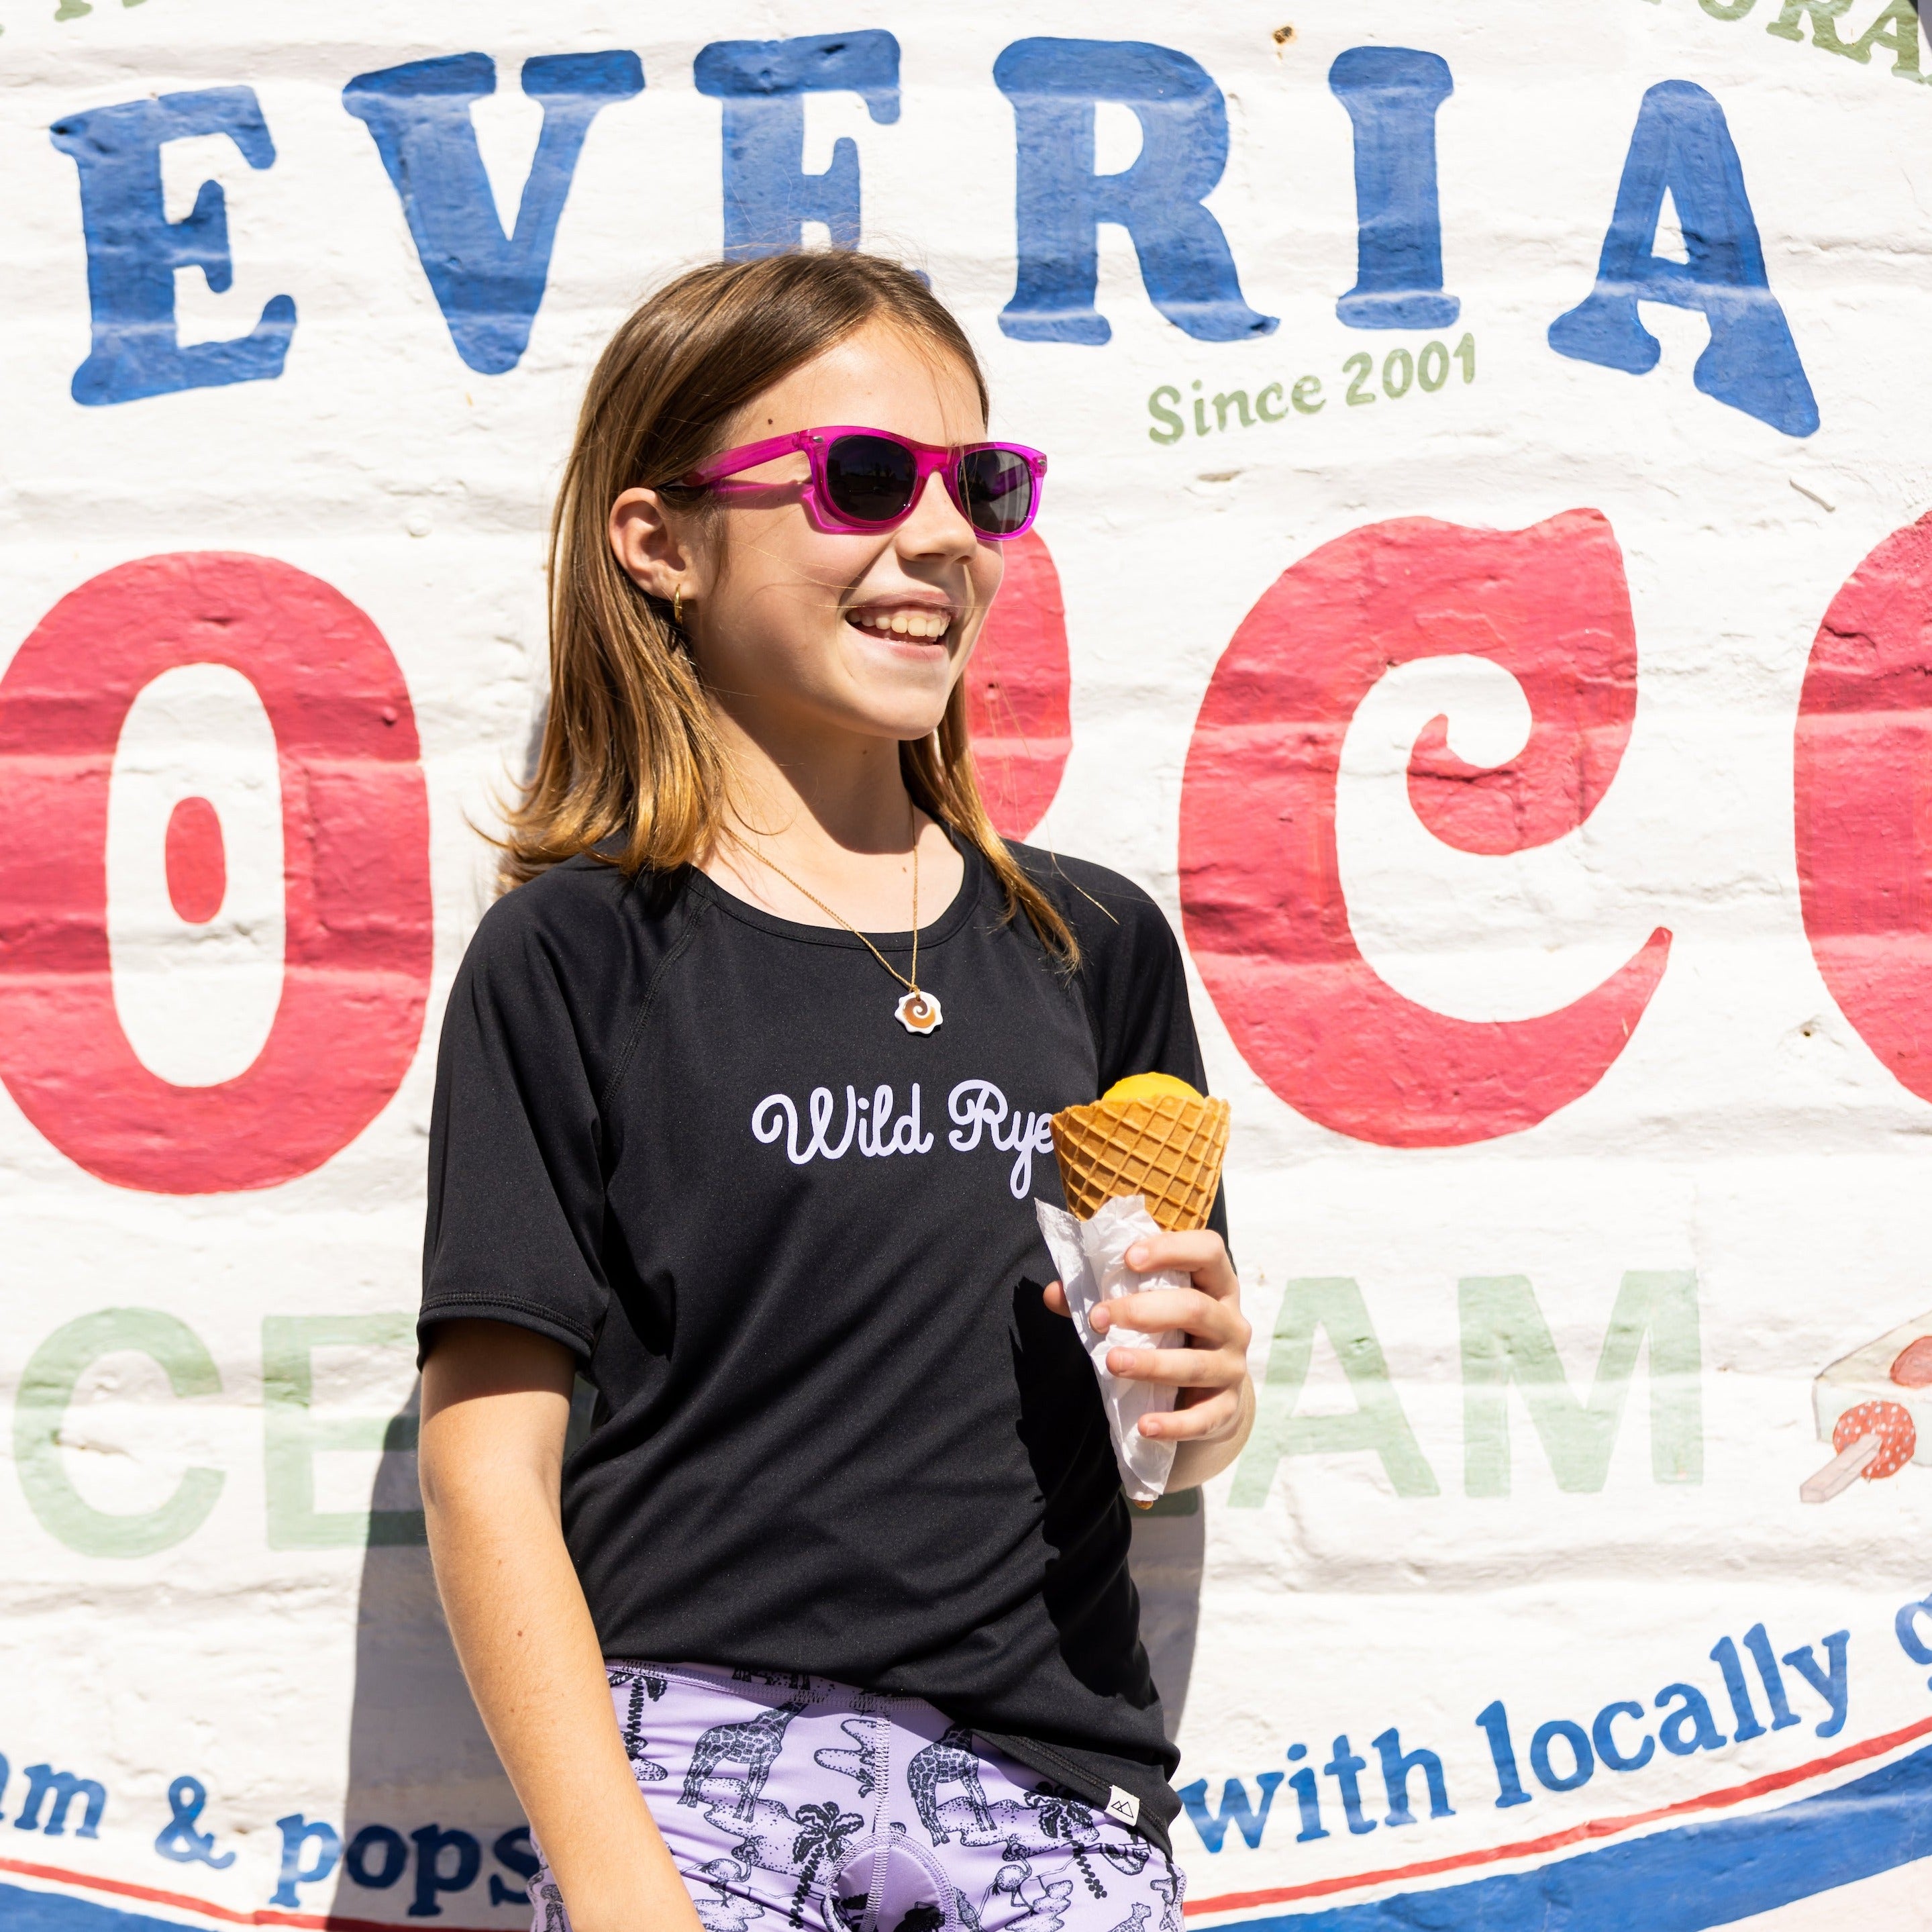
x=936, y=527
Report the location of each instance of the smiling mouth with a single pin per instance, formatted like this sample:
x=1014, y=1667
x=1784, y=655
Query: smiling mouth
x=919, y=626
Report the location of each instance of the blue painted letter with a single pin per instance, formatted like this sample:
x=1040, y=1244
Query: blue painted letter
x=768, y=196
x=1392, y=95
x=1235, y=1809
x=1682, y=143
x=299, y=1835
x=1060, y=201
x=489, y=284
x=134, y=249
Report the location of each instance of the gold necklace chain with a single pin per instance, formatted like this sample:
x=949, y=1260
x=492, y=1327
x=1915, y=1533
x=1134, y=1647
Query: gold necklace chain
x=910, y=985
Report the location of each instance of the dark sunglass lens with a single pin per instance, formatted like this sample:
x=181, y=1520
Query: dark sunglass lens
x=998, y=487
x=868, y=478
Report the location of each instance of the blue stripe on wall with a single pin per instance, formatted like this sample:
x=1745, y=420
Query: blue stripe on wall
x=1711, y=1873
x=24, y=1911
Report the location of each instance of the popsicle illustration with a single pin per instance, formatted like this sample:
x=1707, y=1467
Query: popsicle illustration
x=1875, y=1407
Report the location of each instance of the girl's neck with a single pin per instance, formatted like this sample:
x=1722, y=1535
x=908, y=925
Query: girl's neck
x=831, y=810
x=847, y=795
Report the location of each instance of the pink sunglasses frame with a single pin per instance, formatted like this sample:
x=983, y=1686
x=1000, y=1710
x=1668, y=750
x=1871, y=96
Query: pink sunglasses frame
x=928, y=459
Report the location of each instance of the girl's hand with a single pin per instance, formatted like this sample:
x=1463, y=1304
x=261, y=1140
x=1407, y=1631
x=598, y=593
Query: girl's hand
x=1214, y=1407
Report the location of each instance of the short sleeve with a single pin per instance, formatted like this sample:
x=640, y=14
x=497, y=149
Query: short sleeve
x=1132, y=977
x=1131, y=973
x=1137, y=986
x=515, y=1227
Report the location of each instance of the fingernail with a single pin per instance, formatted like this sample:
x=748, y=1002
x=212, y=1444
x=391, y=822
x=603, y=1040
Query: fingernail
x=1136, y=1255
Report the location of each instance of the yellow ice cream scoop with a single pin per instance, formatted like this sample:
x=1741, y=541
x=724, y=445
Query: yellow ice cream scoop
x=1149, y=1086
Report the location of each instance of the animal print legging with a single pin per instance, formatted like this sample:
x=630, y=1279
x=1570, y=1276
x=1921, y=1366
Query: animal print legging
x=793, y=1802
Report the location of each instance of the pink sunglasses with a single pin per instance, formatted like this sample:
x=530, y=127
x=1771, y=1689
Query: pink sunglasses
x=865, y=480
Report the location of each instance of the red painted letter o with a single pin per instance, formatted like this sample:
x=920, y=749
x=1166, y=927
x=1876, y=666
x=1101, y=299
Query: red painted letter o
x=355, y=822
x=1016, y=694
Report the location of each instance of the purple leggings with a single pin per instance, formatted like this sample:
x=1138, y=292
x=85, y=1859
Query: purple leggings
x=793, y=1802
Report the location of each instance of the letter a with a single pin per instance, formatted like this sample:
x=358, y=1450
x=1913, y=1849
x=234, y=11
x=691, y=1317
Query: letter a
x=488, y=282
x=1682, y=143
x=1378, y=1422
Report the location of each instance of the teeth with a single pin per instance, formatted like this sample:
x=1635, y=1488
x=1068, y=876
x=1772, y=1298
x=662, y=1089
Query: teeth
x=903, y=623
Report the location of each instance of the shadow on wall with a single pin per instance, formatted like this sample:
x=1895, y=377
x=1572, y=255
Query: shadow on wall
x=428, y=1815
x=427, y=1800
x=1169, y=1541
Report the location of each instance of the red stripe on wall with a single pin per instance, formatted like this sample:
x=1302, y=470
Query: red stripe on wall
x=309, y=1921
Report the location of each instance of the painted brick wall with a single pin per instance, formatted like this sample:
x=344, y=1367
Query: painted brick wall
x=1482, y=594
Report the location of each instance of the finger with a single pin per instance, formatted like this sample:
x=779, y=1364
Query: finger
x=1155, y=1310
x=1178, y=1368
x=1195, y=1249
x=1215, y=1417
x=1054, y=1296
x=1202, y=1254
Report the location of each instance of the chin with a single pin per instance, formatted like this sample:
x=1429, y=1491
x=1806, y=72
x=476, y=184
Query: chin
x=897, y=712
x=907, y=727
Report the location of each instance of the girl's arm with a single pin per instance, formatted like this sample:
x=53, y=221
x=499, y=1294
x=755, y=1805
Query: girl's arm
x=495, y=1401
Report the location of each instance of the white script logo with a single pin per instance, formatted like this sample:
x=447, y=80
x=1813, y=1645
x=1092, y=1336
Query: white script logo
x=977, y=1107
x=975, y=1104
x=870, y=1122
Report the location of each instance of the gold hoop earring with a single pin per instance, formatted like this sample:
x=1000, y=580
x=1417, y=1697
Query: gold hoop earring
x=677, y=606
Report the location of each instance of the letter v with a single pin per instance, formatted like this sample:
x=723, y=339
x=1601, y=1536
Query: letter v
x=488, y=284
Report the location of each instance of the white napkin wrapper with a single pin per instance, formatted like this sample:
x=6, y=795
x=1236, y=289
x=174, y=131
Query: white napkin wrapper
x=1091, y=1257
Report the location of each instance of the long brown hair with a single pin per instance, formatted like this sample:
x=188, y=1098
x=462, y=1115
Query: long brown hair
x=630, y=749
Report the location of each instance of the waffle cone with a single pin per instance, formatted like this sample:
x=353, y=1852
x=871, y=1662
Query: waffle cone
x=1168, y=1148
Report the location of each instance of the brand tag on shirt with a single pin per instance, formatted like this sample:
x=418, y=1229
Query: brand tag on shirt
x=1123, y=1805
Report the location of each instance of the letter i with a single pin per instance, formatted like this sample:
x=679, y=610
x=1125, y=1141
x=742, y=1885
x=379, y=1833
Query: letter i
x=1302, y=1785
x=1392, y=95
x=1494, y=1721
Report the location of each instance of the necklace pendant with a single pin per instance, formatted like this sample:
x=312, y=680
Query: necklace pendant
x=918, y=1012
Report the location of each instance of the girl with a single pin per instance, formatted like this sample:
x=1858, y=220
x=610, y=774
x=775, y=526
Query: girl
x=740, y=1108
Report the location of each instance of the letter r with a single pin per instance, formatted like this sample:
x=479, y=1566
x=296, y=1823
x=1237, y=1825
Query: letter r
x=1060, y=201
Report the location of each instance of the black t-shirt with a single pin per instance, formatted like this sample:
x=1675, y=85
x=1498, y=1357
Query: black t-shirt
x=837, y=1431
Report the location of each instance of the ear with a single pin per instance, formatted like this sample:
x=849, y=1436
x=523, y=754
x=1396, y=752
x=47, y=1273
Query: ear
x=651, y=541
